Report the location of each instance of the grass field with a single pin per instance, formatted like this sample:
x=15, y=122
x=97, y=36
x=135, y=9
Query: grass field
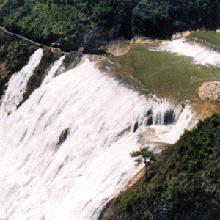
x=165, y=74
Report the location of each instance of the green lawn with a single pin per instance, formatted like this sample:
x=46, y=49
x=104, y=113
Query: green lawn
x=165, y=74
x=209, y=38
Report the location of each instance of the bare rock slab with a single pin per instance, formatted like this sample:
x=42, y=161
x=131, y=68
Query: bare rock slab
x=210, y=91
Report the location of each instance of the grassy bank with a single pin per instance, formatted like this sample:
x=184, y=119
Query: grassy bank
x=187, y=187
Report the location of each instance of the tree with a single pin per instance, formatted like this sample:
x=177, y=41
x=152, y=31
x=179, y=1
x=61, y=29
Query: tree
x=144, y=155
x=152, y=18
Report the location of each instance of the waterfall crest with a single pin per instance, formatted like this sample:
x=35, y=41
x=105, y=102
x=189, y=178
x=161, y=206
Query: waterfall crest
x=66, y=150
x=200, y=54
x=54, y=69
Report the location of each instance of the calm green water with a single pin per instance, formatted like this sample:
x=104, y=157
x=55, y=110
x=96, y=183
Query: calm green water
x=166, y=74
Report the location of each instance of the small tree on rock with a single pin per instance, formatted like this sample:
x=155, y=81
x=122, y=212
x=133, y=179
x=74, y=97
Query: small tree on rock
x=144, y=155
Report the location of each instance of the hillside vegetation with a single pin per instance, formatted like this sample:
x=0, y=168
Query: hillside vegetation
x=48, y=21
x=187, y=186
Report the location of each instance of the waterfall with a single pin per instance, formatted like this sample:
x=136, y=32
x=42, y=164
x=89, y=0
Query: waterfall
x=200, y=54
x=54, y=69
x=66, y=150
x=18, y=82
x=161, y=112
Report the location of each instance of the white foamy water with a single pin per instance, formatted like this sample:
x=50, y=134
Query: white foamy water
x=171, y=133
x=201, y=54
x=18, y=83
x=54, y=69
x=3, y=213
x=66, y=151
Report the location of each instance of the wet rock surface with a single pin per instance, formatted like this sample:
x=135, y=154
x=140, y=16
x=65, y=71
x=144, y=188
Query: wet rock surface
x=72, y=59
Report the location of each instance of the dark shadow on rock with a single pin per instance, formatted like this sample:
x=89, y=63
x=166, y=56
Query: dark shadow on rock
x=136, y=126
x=62, y=138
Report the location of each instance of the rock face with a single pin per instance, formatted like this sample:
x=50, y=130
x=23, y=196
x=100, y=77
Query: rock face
x=14, y=54
x=210, y=91
x=94, y=40
x=118, y=47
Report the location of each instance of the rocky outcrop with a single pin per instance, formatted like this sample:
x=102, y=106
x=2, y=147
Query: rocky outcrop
x=72, y=59
x=94, y=40
x=118, y=48
x=210, y=91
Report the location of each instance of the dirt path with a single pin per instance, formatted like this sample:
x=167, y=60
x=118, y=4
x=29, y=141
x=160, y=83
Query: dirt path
x=21, y=37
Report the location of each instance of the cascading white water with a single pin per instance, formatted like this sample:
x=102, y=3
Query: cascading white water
x=18, y=82
x=181, y=118
x=66, y=151
x=54, y=69
x=161, y=112
x=201, y=55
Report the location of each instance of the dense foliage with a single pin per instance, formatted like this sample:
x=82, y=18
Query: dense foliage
x=40, y=21
x=50, y=20
x=186, y=187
